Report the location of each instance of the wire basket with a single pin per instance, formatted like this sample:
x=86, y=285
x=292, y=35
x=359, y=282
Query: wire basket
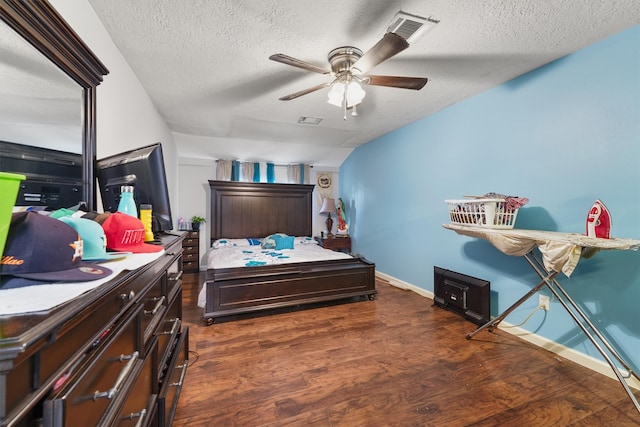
x=489, y=213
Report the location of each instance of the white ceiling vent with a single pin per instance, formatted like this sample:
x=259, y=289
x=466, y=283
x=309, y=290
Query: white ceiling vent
x=309, y=120
x=410, y=27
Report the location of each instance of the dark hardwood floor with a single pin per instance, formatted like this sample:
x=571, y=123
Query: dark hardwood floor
x=395, y=361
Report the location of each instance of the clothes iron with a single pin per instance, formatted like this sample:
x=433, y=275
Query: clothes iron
x=599, y=221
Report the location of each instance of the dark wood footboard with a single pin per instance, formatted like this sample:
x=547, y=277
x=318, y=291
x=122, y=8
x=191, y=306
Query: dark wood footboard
x=233, y=291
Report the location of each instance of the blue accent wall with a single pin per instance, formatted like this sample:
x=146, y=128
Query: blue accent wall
x=563, y=135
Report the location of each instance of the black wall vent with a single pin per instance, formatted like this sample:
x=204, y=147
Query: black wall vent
x=468, y=296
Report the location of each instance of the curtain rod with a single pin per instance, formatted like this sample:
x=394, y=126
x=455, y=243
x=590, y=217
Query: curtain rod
x=274, y=164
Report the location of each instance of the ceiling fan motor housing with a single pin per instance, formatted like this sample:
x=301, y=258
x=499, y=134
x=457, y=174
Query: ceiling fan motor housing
x=342, y=58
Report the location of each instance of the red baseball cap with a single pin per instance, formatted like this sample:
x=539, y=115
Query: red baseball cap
x=125, y=233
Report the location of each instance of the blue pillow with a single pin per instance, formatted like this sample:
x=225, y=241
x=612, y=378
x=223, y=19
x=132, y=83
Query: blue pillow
x=269, y=242
x=284, y=242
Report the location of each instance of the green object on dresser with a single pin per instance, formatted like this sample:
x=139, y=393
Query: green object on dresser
x=9, y=185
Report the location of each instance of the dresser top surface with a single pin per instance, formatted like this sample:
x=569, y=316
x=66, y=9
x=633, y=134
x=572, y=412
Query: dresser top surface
x=17, y=331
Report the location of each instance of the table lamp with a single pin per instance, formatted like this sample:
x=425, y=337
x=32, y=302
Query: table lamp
x=328, y=207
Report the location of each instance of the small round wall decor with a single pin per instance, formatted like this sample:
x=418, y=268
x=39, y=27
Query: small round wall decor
x=324, y=180
x=324, y=185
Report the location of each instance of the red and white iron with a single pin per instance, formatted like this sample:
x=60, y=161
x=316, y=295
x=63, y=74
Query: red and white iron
x=599, y=221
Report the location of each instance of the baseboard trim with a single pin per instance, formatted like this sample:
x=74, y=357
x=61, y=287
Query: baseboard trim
x=570, y=354
x=404, y=285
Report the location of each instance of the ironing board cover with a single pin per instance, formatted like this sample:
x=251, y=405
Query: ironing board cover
x=560, y=251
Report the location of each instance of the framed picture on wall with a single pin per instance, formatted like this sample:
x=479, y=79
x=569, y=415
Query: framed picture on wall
x=325, y=184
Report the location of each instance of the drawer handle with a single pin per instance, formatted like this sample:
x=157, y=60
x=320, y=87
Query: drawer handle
x=159, y=302
x=124, y=373
x=184, y=371
x=128, y=297
x=176, y=276
x=174, y=328
x=139, y=415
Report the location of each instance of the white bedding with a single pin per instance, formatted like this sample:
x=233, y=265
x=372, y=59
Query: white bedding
x=249, y=256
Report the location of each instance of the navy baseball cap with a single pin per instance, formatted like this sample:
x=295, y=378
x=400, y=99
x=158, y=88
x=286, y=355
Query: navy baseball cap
x=46, y=249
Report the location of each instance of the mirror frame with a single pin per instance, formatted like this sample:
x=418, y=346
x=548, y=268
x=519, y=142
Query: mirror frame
x=41, y=25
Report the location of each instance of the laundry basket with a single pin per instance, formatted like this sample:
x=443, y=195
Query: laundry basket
x=489, y=213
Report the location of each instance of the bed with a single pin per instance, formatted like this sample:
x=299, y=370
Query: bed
x=256, y=210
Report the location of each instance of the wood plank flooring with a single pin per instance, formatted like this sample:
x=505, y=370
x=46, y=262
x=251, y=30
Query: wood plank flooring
x=395, y=361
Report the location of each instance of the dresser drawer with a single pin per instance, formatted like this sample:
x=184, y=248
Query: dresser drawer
x=190, y=257
x=154, y=306
x=168, y=332
x=190, y=242
x=139, y=407
x=192, y=235
x=190, y=267
x=190, y=250
x=100, y=383
x=171, y=384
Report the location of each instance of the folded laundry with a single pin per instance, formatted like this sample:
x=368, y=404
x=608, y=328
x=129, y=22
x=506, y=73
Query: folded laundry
x=512, y=202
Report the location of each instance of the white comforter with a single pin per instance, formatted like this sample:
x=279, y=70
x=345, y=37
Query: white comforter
x=251, y=256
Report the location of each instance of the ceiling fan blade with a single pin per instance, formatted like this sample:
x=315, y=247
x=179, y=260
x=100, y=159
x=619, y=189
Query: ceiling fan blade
x=415, y=83
x=391, y=44
x=284, y=59
x=305, y=91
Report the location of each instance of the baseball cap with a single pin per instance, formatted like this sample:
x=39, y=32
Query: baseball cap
x=42, y=248
x=94, y=246
x=96, y=216
x=126, y=233
x=62, y=212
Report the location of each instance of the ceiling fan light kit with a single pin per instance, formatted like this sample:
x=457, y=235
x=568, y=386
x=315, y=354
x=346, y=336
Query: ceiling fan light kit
x=349, y=64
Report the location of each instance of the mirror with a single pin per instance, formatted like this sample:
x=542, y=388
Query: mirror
x=48, y=85
x=40, y=105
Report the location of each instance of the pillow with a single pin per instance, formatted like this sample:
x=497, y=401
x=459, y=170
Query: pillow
x=226, y=243
x=269, y=242
x=284, y=242
x=306, y=240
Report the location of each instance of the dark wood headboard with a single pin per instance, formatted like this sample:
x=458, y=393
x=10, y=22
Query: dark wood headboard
x=248, y=209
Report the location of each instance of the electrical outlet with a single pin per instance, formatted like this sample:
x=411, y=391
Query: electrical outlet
x=543, y=301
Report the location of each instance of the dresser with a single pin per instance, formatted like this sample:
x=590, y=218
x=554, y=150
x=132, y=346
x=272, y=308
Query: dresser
x=191, y=252
x=114, y=356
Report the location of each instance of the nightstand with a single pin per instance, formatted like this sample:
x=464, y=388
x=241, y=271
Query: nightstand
x=340, y=244
x=191, y=252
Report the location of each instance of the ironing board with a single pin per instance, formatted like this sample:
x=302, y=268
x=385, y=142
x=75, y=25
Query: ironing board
x=559, y=252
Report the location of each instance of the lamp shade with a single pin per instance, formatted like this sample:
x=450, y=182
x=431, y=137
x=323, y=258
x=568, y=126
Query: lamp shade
x=354, y=96
x=328, y=206
x=336, y=94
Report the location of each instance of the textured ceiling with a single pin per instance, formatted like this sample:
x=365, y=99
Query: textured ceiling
x=205, y=63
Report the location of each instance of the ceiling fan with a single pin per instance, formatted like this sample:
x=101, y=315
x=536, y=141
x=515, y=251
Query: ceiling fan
x=349, y=65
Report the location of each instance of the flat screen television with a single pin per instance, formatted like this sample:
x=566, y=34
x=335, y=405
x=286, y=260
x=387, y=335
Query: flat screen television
x=468, y=296
x=54, y=178
x=142, y=168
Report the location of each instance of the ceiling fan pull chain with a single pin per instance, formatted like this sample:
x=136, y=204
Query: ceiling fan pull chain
x=344, y=102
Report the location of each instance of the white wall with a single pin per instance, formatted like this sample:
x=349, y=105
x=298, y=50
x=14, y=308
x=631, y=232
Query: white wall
x=126, y=116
